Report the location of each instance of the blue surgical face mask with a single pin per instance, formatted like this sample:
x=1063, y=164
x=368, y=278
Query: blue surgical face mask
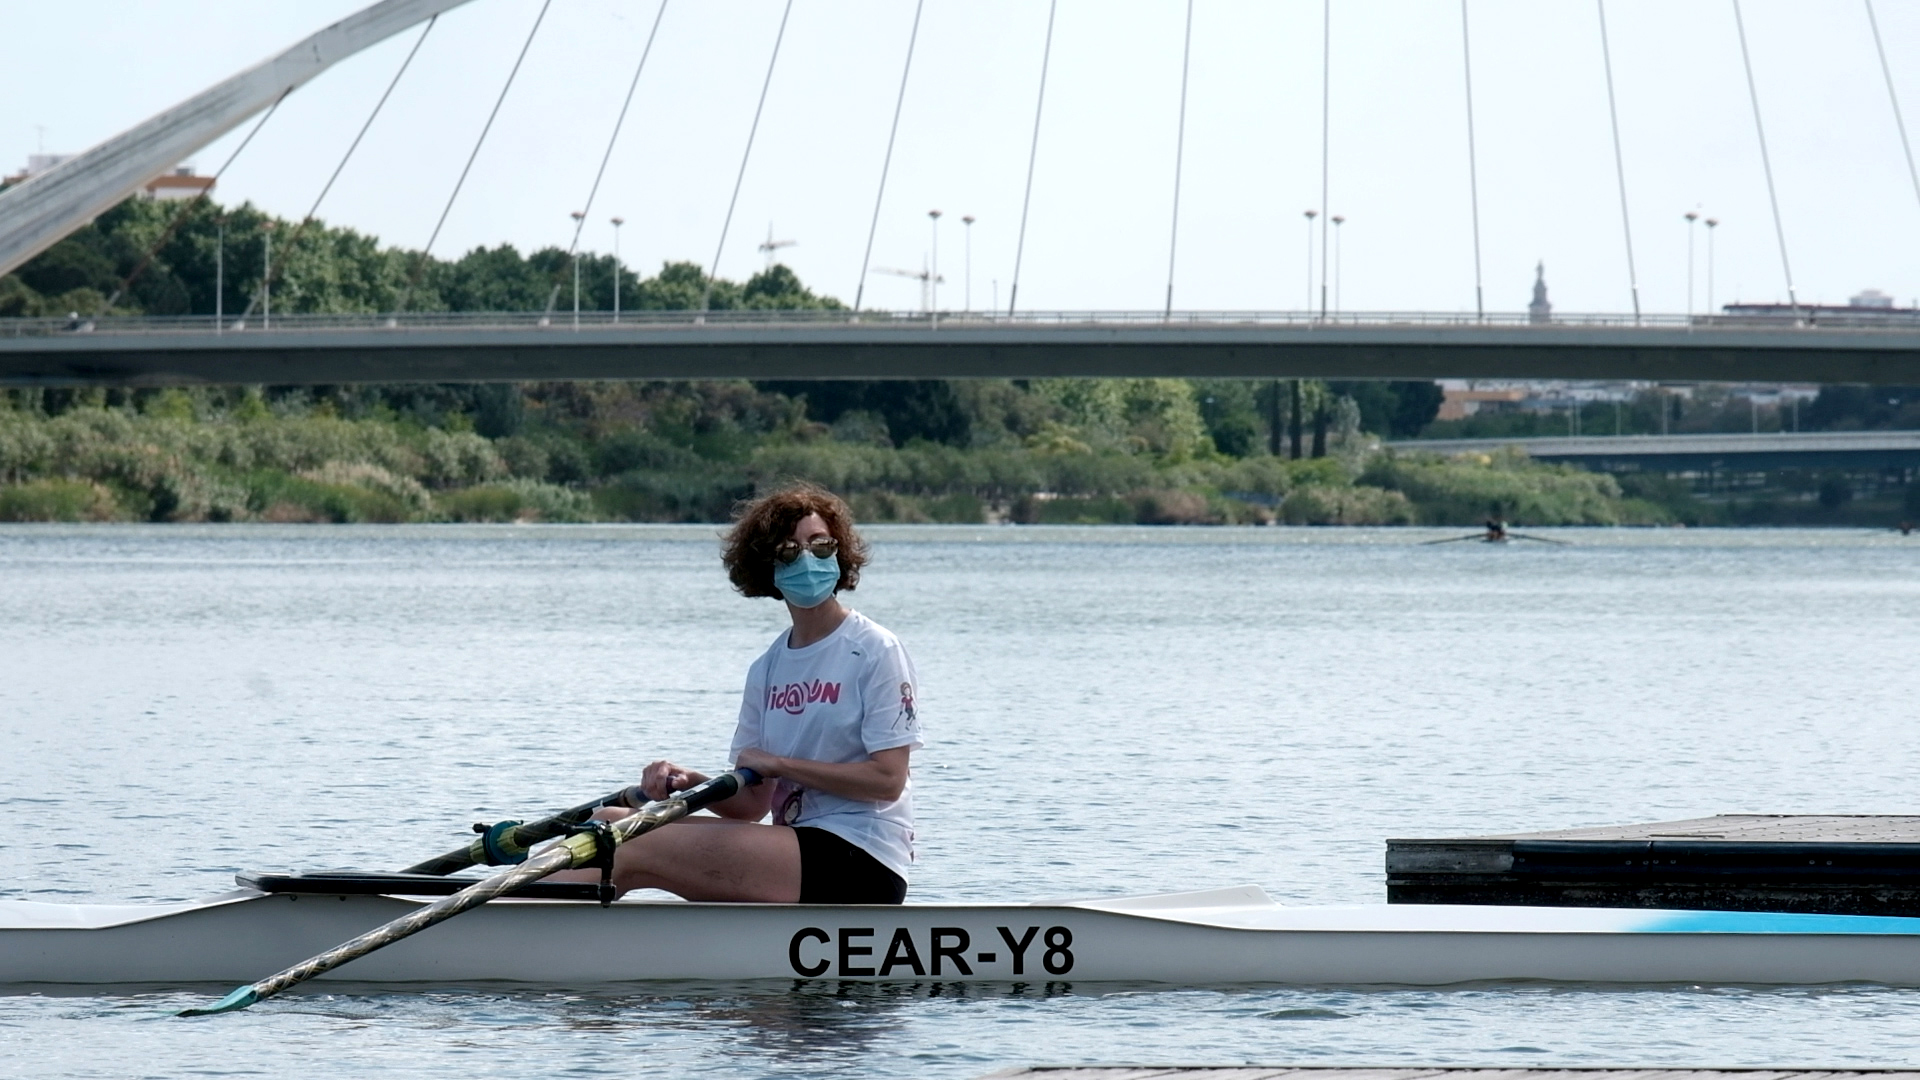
x=808, y=580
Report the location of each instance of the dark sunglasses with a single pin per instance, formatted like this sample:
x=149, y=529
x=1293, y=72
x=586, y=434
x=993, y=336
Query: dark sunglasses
x=825, y=547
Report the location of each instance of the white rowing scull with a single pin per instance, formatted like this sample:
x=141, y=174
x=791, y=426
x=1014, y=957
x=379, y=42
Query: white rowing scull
x=1224, y=936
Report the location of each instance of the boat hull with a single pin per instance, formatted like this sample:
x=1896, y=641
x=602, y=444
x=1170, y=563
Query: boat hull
x=1226, y=937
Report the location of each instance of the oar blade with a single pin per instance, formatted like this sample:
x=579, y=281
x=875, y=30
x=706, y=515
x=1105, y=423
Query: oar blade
x=233, y=1002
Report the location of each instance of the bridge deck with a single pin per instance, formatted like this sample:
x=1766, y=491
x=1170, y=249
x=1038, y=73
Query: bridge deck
x=761, y=345
x=1771, y=450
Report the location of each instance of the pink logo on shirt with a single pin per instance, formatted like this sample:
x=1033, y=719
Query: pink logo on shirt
x=795, y=697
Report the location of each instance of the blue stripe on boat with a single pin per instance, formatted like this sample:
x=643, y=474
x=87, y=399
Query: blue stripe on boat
x=1777, y=922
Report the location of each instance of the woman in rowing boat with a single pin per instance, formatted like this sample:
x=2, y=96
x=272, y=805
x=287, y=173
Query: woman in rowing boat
x=827, y=719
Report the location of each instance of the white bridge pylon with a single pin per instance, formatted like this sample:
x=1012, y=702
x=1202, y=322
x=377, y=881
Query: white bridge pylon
x=37, y=214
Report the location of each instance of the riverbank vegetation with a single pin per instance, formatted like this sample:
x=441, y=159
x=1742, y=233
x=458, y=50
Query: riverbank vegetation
x=1053, y=451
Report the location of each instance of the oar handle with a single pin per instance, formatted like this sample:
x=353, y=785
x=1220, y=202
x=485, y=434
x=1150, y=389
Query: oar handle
x=509, y=841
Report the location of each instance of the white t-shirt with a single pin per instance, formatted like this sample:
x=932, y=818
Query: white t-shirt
x=840, y=699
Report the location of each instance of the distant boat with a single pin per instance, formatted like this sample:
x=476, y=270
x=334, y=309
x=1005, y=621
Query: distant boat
x=1496, y=532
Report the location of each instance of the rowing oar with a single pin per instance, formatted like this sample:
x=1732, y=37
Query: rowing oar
x=509, y=841
x=1538, y=539
x=1455, y=539
x=583, y=848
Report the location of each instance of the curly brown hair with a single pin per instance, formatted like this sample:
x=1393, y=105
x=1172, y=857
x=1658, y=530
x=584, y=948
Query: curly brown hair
x=760, y=525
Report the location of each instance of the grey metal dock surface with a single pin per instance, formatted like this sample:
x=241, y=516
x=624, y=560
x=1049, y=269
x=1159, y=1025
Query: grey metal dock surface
x=1849, y=864
x=1289, y=1073
x=1276, y=1072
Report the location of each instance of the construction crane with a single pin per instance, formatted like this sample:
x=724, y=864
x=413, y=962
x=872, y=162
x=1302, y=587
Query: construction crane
x=770, y=245
x=926, y=278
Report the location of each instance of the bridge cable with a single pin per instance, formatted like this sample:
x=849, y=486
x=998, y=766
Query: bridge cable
x=1753, y=94
x=886, y=163
x=187, y=210
x=1619, y=162
x=1179, y=155
x=1473, y=170
x=1326, y=128
x=1033, y=154
x=1893, y=97
x=581, y=222
x=713, y=272
x=274, y=273
x=420, y=264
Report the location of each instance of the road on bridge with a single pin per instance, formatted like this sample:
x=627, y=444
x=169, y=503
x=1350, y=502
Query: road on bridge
x=835, y=345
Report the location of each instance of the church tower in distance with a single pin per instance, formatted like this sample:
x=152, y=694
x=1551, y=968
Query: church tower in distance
x=1540, y=311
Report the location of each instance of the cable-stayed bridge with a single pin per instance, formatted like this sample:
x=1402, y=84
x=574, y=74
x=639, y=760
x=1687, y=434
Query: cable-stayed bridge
x=836, y=344
x=407, y=345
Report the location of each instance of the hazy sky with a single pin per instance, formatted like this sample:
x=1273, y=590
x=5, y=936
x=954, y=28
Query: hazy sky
x=1102, y=196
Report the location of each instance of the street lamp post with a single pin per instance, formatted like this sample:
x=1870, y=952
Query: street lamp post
x=1338, y=221
x=933, y=280
x=967, y=220
x=1311, y=214
x=577, y=216
x=617, y=222
x=1691, y=218
x=266, y=275
x=1712, y=223
x=220, y=277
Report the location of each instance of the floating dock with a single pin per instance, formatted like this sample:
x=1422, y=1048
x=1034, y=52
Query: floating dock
x=1276, y=1072
x=1840, y=864
x=1285, y=1073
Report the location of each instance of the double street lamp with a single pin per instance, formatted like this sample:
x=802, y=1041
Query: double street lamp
x=933, y=279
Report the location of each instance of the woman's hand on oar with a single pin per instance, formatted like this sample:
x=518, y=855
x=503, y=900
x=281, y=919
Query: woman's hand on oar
x=507, y=842
x=580, y=849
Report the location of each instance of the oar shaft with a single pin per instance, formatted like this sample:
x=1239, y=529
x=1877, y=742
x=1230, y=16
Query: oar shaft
x=524, y=836
x=577, y=850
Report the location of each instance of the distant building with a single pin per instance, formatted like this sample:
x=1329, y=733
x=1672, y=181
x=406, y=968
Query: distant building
x=36, y=164
x=1540, y=311
x=181, y=183
x=1868, y=307
x=1459, y=401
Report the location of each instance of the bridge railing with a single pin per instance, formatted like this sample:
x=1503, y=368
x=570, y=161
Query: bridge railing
x=641, y=321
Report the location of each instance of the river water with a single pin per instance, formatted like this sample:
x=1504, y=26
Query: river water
x=1109, y=711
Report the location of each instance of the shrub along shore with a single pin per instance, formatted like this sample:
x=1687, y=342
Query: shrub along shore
x=1106, y=451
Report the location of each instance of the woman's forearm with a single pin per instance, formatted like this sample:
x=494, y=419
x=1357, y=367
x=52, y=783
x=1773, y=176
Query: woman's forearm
x=880, y=778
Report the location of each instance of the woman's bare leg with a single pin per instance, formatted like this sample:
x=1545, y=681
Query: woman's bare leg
x=703, y=858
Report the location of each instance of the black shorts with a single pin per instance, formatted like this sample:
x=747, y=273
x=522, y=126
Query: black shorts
x=833, y=871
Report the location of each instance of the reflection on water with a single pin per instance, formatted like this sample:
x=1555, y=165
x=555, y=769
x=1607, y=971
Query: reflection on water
x=1109, y=711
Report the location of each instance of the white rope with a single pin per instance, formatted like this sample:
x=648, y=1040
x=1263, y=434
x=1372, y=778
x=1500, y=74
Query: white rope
x=1473, y=168
x=886, y=163
x=706, y=295
x=1033, y=154
x=1893, y=97
x=1753, y=94
x=421, y=264
x=1619, y=162
x=617, y=124
x=348, y=156
x=1179, y=156
x=1326, y=128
